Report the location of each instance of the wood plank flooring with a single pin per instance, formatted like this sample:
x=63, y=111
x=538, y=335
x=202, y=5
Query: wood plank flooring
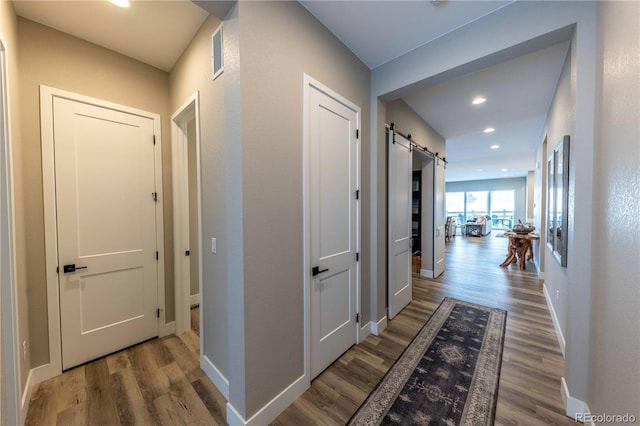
x=159, y=382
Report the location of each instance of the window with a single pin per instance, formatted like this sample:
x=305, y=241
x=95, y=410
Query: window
x=502, y=207
x=455, y=205
x=477, y=204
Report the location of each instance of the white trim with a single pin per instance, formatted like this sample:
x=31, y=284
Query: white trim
x=308, y=82
x=189, y=110
x=274, y=407
x=218, y=379
x=194, y=299
x=167, y=329
x=365, y=331
x=380, y=326
x=9, y=332
x=426, y=273
x=554, y=318
x=47, y=94
x=573, y=406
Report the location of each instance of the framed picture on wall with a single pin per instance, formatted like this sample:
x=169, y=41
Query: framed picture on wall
x=558, y=200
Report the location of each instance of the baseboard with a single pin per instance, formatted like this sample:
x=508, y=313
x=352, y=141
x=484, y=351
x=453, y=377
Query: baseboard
x=574, y=408
x=554, y=318
x=194, y=300
x=273, y=408
x=378, y=327
x=167, y=329
x=215, y=376
x=365, y=331
x=426, y=273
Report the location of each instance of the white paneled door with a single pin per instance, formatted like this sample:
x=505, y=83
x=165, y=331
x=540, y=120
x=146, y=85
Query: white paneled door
x=333, y=180
x=439, y=217
x=399, y=196
x=106, y=219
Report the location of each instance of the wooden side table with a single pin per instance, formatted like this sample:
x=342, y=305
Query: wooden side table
x=519, y=248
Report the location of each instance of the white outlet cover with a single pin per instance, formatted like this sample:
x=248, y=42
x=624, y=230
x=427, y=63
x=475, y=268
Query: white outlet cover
x=213, y=245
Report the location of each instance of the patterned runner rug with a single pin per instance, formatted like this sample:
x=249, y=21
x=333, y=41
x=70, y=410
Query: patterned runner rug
x=448, y=375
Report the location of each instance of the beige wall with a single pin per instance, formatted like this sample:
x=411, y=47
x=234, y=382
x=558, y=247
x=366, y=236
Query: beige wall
x=9, y=28
x=193, y=73
x=56, y=59
x=279, y=41
x=615, y=323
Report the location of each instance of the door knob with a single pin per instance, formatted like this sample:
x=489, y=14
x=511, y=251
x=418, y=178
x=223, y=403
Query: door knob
x=316, y=270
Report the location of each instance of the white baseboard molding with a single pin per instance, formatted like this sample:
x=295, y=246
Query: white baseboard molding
x=554, y=318
x=378, y=327
x=426, y=273
x=365, y=331
x=167, y=329
x=215, y=376
x=273, y=408
x=195, y=299
x=574, y=408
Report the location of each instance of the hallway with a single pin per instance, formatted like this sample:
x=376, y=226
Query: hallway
x=159, y=382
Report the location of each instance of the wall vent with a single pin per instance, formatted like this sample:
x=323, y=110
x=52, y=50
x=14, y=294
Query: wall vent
x=217, y=57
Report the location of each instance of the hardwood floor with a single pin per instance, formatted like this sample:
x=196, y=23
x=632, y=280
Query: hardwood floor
x=159, y=382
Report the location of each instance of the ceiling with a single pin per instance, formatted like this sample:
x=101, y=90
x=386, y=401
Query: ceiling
x=518, y=91
x=153, y=32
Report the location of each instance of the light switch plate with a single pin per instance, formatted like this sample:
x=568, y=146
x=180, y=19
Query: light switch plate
x=213, y=245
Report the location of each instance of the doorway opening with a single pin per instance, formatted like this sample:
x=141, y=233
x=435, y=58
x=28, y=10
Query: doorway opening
x=187, y=207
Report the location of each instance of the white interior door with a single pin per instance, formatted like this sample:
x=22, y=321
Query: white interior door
x=400, y=177
x=333, y=160
x=105, y=185
x=439, y=217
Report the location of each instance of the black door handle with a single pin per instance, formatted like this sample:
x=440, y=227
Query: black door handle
x=316, y=270
x=72, y=268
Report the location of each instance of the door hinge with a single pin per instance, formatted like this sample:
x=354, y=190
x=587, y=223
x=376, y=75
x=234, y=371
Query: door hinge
x=357, y=133
x=158, y=312
x=357, y=194
x=155, y=196
x=157, y=255
x=154, y=139
x=357, y=257
x=57, y=269
x=358, y=318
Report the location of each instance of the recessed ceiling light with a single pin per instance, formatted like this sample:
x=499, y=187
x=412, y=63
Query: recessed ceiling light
x=478, y=100
x=120, y=3
x=489, y=130
x=478, y=170
x=494, y=146
x=503, y=170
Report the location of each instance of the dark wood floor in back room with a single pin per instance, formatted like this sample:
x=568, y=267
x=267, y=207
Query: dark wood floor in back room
x=159, y=382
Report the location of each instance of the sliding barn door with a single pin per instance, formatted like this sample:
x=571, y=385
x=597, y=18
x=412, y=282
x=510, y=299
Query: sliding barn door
x=399, y=196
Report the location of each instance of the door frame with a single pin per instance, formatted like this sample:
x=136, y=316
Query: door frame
x=9, y=333
x=309, y=83
x=189, y=110
x=47, y=95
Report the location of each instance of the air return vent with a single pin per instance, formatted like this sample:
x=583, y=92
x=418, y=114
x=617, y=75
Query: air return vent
x=217, y=58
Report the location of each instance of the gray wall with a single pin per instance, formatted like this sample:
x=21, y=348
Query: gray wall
x=193, y=73
x=560, y=122
x=615, y=323
x=278, y=42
